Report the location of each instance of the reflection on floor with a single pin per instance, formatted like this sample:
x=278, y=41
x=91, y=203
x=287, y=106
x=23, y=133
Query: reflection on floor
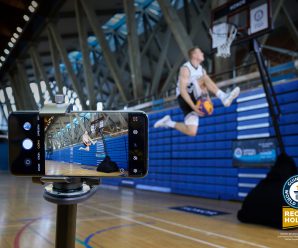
x=60, y=168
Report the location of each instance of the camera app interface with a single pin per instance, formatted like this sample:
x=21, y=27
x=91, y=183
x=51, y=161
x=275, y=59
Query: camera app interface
x=86, y=144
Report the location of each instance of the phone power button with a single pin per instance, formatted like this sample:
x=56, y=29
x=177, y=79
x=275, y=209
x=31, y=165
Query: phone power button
x=27, y=144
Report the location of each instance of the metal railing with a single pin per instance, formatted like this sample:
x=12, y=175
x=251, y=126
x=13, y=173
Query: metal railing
x=245, y=82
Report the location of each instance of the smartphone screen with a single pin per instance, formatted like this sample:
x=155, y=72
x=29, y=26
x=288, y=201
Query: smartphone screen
x=95, y=144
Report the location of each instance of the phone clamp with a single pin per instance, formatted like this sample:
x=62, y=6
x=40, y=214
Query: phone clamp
x=67, y=192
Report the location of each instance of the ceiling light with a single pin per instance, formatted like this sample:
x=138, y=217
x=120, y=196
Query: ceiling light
x=34, y=4
x=26, y=18
x=19, y=29
x=6, y=51
x=13, y=40
x=2, y=58
x=10, y=44
x=31, y=9
x=15, y=35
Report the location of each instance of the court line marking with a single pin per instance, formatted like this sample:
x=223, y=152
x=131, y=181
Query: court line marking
x=40, y=235
x=90, y=236
x=99, y=218
x=156, y=228
x=16, y=243
x=191, y=228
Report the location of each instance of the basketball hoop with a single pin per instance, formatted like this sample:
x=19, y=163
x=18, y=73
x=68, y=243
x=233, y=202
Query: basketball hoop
x=223, y=35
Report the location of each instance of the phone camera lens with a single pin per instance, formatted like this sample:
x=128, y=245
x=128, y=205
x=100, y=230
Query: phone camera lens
x=27, y=162
x=27, y=126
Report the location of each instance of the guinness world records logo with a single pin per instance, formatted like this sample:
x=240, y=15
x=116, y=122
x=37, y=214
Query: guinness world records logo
x=290, y=191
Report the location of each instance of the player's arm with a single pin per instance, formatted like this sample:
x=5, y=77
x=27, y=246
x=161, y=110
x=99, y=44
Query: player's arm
x=183, y=77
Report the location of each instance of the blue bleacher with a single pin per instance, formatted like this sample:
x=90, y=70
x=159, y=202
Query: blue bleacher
x=96, y=154
x=202, y=165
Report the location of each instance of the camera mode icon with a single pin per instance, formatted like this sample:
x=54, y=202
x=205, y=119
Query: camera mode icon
x=27, y=144
x=27, y=162
x=27, y=126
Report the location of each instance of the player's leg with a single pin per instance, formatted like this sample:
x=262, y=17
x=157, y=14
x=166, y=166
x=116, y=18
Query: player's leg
x=167, y=122
x=190, y=125
x=226, y=98
x=86, y=148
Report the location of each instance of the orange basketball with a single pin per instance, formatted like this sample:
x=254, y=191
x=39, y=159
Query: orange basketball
x=205, y=105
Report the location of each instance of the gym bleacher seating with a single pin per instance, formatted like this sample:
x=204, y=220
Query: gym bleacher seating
x=96, y=153
x=202, y=165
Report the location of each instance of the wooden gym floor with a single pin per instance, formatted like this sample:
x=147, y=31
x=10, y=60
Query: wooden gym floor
x=59, y=168
x=126, y=218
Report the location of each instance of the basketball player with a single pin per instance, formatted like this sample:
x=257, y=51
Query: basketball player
x=192, y=82
x=87, y=141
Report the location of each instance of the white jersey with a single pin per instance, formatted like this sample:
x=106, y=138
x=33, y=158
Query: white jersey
x=192, y=84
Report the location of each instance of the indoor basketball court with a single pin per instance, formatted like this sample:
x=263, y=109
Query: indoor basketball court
x=203, y=92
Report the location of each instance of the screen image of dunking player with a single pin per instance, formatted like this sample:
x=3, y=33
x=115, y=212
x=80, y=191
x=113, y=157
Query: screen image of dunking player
x=86, y=144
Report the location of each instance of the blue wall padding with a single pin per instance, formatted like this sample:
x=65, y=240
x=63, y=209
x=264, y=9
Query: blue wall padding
x=3, y=155
x=202, y=165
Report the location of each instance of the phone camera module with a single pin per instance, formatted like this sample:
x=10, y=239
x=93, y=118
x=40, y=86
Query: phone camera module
x=27, y=126
x=27, y=162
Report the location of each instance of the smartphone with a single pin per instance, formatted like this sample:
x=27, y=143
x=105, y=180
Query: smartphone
x=83, y=144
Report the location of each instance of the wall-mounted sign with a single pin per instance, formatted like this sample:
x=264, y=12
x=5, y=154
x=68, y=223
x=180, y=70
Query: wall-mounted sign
x=254, y=152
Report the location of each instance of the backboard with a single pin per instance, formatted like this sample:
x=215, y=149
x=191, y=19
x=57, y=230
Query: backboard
x=252, y=18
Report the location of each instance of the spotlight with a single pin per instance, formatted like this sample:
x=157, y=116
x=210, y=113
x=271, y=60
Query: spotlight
x=13, y=40
x=19, y=29
x=31, y=9
x=2, y=58
x=16, y=35
x=10, y=44
x=34, y=4
x=6, y=51
x=26, y=18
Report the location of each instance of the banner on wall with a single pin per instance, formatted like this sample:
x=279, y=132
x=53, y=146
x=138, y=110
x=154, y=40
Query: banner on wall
x=254, y=152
